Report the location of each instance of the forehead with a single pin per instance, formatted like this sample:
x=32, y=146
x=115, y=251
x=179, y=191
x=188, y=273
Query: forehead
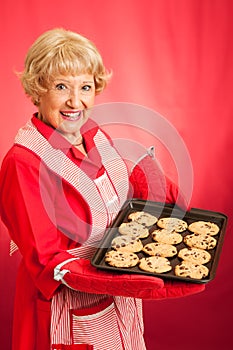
x=74, y=79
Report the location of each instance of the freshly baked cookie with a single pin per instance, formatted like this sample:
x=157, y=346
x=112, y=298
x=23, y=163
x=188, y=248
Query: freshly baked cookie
x=195, y=255
x=203, y=227
x=166, y=236
x=156, y=264
x=121, y=259
x=174, y=224
x=160, y=249
x=191, y=270
x=133, y=228
x=127, y=243
x=201, y=241
x=143, y=218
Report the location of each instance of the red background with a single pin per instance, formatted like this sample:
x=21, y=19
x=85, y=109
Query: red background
x=175, y=57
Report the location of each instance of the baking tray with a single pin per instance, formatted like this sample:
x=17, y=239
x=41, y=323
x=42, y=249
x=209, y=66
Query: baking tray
x=162, y=210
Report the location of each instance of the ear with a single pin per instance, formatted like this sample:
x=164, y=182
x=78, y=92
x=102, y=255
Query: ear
x=36, y=101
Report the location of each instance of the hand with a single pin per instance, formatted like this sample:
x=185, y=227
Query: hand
x=82, y=276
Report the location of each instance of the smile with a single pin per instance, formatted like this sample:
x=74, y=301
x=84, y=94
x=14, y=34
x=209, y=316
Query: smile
x=71, y=115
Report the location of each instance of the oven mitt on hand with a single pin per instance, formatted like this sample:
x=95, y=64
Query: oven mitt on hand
x=177, y=289
x=79, y=274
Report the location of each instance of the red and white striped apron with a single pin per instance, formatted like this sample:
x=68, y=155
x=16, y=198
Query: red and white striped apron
x=83, y=318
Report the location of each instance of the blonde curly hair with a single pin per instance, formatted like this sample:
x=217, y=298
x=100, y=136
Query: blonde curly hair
x=59, y=51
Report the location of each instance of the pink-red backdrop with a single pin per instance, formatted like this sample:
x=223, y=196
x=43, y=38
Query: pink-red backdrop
x=174, y=57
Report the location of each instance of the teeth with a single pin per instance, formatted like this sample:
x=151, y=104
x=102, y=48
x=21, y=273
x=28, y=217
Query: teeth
x=71, y=115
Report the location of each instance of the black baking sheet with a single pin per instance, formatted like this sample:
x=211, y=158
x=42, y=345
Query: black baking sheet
x=162, y=210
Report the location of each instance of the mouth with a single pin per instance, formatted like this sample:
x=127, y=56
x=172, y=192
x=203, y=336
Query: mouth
x=72, y=116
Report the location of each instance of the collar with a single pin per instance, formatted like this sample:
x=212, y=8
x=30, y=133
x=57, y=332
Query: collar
x=52, y=135
x=88, y=131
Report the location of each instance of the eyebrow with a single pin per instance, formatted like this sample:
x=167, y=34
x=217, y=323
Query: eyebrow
x=67, y=81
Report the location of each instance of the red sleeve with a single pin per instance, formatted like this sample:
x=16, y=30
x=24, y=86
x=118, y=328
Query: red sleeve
x=30, y=225
x=150, y=183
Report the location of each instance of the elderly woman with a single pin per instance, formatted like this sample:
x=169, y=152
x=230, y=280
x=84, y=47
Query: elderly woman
x=62, y=183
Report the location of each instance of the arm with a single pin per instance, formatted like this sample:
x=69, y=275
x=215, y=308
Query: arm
x=150, y=183
x=30, y=225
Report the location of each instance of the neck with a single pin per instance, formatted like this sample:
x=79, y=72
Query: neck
x=79, y=142
x=75, y=140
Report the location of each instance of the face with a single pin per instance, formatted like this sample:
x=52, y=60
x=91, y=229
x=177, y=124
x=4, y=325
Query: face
x=66, y=104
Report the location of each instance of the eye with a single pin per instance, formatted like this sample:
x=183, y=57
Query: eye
x=87, y=88
x=60, y=87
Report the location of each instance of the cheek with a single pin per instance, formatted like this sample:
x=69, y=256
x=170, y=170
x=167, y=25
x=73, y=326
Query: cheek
x=52, y=107
x=54, y=104
x=90, y=100
x=51, y=102
x=50, y=110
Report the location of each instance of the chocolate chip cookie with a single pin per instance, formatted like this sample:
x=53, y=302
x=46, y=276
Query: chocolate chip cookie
x=174, y=224
x=191, y=270
x=121, y=259
x=143, y=218
x=160, y=249
x=203, y=227
x=155, y=264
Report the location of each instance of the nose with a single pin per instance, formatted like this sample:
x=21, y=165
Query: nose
x=75, y=99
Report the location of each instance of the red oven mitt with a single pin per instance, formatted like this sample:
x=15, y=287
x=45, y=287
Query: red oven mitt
x=79, y=274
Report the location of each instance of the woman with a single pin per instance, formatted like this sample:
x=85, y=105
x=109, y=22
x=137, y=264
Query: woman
x=62, y=183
